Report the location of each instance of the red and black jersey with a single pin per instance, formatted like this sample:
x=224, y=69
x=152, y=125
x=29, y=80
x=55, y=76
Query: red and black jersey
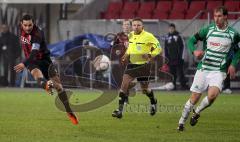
x=119, y=45
x=34, y=41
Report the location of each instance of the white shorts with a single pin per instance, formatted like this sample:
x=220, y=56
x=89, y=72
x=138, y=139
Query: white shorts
x=203, y=79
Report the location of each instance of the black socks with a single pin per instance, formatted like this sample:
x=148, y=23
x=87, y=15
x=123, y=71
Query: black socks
x=151, y=97
x=64, y=99
x=122, y=98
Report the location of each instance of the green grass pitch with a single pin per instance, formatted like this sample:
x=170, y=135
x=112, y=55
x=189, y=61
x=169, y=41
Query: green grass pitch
x=29, y=115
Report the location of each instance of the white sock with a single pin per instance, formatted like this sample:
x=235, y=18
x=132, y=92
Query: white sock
x=185, y=113
x=204, y=104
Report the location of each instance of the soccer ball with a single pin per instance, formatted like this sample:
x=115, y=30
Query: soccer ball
x=101, y=63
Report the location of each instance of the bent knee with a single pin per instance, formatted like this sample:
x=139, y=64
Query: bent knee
x=213, y=92
x=35, y=71
x=195, y=97
x=212, y=97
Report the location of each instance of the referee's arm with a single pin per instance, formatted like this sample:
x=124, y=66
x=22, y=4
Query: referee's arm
x=155, y=47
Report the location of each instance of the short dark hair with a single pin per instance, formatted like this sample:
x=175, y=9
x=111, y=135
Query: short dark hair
x=222, y=9
x=172, y=25
x=137, y=19
x=27, y=17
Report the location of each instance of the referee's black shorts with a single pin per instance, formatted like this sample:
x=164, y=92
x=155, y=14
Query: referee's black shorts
x=43, y=65
x=141, y=72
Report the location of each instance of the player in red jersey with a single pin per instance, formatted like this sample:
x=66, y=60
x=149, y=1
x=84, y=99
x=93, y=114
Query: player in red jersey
x=120, y=42
x=119, y=47
x=38, y=62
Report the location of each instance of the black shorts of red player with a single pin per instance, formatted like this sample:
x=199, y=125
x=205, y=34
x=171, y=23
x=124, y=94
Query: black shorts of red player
x=44, y=65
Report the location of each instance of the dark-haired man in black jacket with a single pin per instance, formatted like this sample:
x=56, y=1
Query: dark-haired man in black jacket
x=174, y=46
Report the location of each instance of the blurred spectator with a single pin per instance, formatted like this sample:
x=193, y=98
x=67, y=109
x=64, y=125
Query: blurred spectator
x=174, y=46
x=9, y=52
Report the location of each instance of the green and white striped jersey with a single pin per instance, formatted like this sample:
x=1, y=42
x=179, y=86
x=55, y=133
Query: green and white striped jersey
x=217, y=44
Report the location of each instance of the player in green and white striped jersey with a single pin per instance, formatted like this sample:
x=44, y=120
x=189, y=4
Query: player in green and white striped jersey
x=218, y=39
